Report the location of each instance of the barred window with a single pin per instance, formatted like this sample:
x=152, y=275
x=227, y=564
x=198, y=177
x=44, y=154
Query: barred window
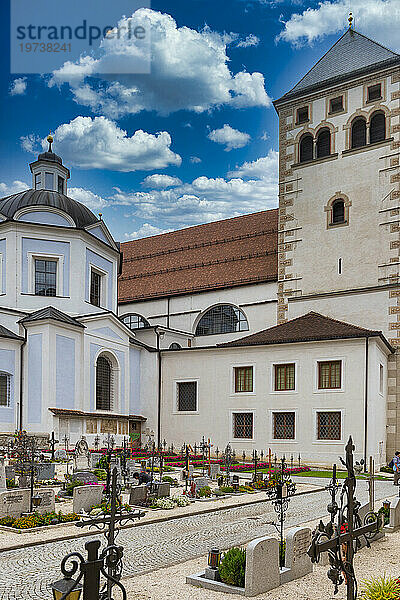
x=5, y=385
x=336, y=104
x=135, y=321
x=187, y=395
x=243, y=425
x=103, y=383
x=329, y=425
x=284, y=423
x=330, y=375
x=374, y=92
x=223, y=318
x=302, y=115
x=95, y=288
x=45, y=277
x=243, y=379
x=284, y=377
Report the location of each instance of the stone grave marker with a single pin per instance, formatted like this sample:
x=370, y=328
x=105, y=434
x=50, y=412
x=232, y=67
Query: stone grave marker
x=163, y=490
x=10, y=472
x=86, y=496
x=94, y=459
x=394, y=519
x=138, y=495
x=262, y=566
x=48, y=500
x=85, y=476
x=61, y=454
x=201, y=482
x=3, y=483
x=215, y=470
x=45, y=471
x=297, y=561
x=14, y=502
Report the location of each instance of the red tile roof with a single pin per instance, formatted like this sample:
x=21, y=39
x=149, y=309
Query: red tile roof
x=69, y=412
x=222, y=254
x=307, y=328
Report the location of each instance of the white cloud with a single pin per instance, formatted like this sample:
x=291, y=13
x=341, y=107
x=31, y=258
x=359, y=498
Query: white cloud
x=146, y=230
x=88, y=198
x=250, y=40
x=231, y=138
x=195, y=160
x=189, y=71
x=100, y=144
x=378, y=19
x=6, y=189
x=161, y=181
x=18, y=87
x=258, y=169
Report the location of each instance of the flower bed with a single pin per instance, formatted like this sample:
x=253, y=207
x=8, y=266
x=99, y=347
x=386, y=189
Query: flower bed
x=169, y=503
x=37, y=520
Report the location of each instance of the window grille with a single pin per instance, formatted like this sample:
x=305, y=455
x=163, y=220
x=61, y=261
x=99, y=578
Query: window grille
x=302, y=115
x=222, y=319
x=5, y=386
x=284, y=423
x=243, y=425
x=329, y=375
x=336, y=104
x=284, y=377
x=103, y=383
x=377, y=127
x=306, y=148
x=95, y=288
x=135, y=321
x=243, y=379
x=323, y=143
x=329, y=425
x=358, y=133
x=187, y=395
x=45, y=277
x=338, y=212
x=374, y=92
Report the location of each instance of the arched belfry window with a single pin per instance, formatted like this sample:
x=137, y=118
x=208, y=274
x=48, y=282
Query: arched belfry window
x=358, y=133
x=338, y=212
x=306, y=147
x=323, y=143
x=103, y=384
x=222, y=318
x=377, y=127
x=135, y=321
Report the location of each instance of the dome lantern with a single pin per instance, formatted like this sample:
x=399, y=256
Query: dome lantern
x=48, y=171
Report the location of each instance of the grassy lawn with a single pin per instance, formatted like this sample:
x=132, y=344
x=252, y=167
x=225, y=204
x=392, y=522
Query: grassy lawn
x=327, y=474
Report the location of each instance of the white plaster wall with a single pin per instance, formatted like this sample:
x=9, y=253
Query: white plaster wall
x=212, y=369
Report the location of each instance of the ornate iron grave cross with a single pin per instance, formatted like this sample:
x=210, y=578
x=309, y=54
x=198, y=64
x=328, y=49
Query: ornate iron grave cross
x=342, y=539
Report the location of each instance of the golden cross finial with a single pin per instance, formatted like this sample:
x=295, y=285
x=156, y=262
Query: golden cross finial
x=350, y=20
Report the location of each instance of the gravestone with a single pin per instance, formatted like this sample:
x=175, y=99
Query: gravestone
x=163, y=490
x=262, y=566
x=394, y=518
x=297, y=561
x=201, y=482
x=84, y=476
x=138, y=495
x=215, y=470
x=45, y=471
x=10, y=472
x=94, y=458
x=14, y=502
x=86, y=496
x=61, y=454
x=362, y=513
x=48, y=500
x=3, y=483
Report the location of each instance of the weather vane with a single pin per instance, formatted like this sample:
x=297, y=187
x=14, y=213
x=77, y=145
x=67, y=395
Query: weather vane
x=350, y=20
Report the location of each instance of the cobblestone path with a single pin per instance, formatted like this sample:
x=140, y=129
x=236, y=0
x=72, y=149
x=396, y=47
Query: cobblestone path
x=27, y=573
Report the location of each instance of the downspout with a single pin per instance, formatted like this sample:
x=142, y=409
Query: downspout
x=366, y=404
x=158, y=333
x=21, y=379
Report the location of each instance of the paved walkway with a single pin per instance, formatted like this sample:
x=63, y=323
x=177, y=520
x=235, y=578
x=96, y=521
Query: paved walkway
x=27, y=572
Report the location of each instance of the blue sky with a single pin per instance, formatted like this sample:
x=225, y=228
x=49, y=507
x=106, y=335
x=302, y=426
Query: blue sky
x=196, y=139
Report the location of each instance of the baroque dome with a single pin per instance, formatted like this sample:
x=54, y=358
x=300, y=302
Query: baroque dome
x=79, y=213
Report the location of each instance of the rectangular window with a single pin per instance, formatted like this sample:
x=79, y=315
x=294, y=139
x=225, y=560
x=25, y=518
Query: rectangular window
x=336, y=104
x=302, y=115
x=45, y=277
x=4, y=389
x=123, y=427
x=381, y=379
x=187, y=396
x=95, y=288
x=329, y=425
x=243, y=379
x=38, y=180
x=60, y=185
x=243, y=425
x=284, y=377
x=374, y=92
x=49, y=181
x=330, y=375
x=284, y=425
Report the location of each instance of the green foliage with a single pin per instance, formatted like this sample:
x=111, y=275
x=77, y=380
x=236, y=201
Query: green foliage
x=381, y=588
x=10, y=483
x=385, y=513
x=204, y=492
x=101, y=474
x=226, y=489
x=171, y=480
x=233, y=566
x=38, y=520
x=102, y=463
x=69, y=489
x=386, y=469
x=282, y=552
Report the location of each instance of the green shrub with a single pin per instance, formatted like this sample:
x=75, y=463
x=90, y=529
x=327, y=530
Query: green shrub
x=171, y=480
x=282, y=552
x=204, y=492
x=103, y=462
x=386, y=470
x=385, y=514
x=101, y=474
x=10, y=483
x=233, y=566
x=69, y=489
x=381, y=588
x=226, y=489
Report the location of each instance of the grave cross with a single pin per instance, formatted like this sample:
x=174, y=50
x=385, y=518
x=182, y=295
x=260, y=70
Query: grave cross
x=53, y=443
x=342, y=540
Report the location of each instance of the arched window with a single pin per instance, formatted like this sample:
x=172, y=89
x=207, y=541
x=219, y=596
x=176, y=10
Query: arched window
x=338, y=212
x=306, y=147
x=135, y=321
x=323, y=143
x=358, y=133
x=175, y=346
x=103, y=384
x=377, y=127
x=223, y=318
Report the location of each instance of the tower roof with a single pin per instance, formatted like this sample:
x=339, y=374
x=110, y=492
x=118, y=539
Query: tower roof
x=353, y=54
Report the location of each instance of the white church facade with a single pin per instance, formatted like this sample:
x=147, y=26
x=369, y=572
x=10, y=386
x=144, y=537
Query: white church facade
x=277, y=329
